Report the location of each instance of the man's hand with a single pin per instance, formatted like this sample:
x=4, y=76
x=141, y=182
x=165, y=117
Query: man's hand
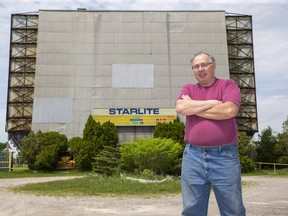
x=186, y=97
x=222, y=111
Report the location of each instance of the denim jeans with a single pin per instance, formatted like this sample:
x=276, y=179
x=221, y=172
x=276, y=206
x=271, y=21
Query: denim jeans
x=219, y=167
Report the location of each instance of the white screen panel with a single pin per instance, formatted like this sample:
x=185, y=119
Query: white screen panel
x=133, y=76
x=52, y=110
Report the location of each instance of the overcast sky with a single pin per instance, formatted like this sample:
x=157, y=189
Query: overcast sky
x=270, y=37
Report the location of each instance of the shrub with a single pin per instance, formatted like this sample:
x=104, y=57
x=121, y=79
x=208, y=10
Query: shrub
x=174, y=131
x=156, y=154
x=82, y=151
x=107, y=161
x=283, y=159
x=41, y=151
x=47, y=159
x=3, y=146
x=247, y=164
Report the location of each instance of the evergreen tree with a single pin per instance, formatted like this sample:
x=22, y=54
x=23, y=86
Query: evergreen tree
x=109, y=136
x=92, y=130
x=107, y=161
x=99, y=136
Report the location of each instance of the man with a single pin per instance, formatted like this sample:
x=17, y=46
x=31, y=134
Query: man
x=211, y=155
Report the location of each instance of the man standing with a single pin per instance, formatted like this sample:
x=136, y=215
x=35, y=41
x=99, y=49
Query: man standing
x=211, y=154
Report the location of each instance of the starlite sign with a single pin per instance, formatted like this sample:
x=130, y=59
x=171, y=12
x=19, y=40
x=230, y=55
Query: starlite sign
x=134, y=116
x=134, y=111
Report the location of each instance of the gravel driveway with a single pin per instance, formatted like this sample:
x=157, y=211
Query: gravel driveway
x=265, y=196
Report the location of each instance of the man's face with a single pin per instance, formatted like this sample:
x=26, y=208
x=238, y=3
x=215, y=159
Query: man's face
x=204, y=70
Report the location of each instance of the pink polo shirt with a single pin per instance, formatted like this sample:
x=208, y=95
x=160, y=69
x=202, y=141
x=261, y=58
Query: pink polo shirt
x=206, y=132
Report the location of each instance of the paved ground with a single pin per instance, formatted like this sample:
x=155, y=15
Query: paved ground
x=264, y=196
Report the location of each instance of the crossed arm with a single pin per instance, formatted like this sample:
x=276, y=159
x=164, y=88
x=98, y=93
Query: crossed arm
x=209, y=109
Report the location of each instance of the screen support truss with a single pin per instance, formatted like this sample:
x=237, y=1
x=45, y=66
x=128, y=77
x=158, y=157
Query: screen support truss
x=242, y=70
x=22, y=62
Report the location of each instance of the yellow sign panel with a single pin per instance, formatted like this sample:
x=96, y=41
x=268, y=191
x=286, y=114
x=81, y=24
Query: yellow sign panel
x=134, y=117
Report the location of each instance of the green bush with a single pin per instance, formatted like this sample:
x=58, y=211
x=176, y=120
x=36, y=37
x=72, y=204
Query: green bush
x=47, y=159
x=107, y=161
x=3, y=146
x=41, y=151
x=82, y=151
x=283, y=159
x=174, y=131
x=247, y=164
x=158, y=155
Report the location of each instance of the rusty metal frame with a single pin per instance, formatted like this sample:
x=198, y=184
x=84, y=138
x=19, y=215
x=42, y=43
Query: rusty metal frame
x=22, y=63
x=242, y=69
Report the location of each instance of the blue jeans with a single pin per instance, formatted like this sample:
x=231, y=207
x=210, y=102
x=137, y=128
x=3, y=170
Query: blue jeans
x=219, y=167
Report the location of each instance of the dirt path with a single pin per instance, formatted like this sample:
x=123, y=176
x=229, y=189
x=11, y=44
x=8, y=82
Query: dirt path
x=264, y=197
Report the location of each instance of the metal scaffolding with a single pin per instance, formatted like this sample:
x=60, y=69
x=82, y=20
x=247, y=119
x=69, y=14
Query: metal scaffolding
x=23, y=43
x=241, y=67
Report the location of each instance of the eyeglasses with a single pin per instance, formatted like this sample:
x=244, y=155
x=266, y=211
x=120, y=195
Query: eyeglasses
x=202, y=65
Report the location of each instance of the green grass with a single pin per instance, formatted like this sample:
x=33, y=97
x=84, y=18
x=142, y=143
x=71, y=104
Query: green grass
x=93, y=185
x=269, y=172
x=90, y=184
x=26, y=173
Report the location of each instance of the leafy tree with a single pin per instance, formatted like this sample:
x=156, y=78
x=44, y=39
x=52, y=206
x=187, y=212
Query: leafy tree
x=281, y=147
x=285, y=125
x=107, y=161
x=159, y=155
x=265, y=146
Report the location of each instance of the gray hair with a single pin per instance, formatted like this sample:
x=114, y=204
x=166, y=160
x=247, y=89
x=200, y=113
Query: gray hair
x=211, y=57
